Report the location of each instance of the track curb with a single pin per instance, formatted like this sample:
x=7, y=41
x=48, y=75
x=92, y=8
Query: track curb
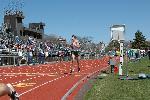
x=79, y=82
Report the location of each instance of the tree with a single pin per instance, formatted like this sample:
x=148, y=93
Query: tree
x=113, y=45
x=148, y=44
x=51, y=38
x=140, y=41
x=85, y=42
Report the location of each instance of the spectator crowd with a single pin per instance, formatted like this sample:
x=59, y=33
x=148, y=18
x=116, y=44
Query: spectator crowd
x=31, y=51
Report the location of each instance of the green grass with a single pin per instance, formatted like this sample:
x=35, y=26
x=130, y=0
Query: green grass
x=111, y=88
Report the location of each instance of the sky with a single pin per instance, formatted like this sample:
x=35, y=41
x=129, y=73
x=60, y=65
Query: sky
x=87, y=17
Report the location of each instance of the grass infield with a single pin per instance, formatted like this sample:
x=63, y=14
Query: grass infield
x=112, y=88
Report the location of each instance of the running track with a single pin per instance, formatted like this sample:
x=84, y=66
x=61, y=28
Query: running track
x=48, y=82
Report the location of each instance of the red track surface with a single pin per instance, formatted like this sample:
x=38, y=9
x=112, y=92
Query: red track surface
x=47, y=82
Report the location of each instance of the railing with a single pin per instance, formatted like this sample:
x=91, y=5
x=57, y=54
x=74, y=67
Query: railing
x=8, y=59
x=14, y=60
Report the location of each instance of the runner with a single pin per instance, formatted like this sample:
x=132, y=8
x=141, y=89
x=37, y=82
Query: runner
x=75, y=52
x=7, y=89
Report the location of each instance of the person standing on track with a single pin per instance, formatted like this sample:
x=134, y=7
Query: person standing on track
x=75, y=46
x=112, y=64
x=7, y=89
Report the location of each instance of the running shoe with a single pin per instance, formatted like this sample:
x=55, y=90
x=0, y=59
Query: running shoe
x=72, y=70
x=78, y=69
x=14, y=95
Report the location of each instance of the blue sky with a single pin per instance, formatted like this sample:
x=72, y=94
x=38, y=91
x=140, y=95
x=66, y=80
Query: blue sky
x=88, y=17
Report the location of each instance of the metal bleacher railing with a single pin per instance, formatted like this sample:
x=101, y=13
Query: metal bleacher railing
x=11, y=59
x=7, y=59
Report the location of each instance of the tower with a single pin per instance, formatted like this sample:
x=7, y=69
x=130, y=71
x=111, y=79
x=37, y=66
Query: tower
x=13, y=16
x=13, y=21
x=117, y=33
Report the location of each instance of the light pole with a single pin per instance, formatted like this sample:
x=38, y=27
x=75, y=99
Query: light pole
x=121, y=57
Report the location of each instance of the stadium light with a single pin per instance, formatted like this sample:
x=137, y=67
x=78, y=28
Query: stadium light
x=117, y=33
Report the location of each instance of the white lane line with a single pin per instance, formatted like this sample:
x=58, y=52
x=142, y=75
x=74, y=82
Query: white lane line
x=40, y=85
x=43, y=74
